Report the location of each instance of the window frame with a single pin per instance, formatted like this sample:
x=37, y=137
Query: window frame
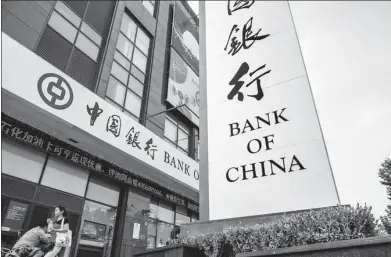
x=179, y=125
x=132, y=66
x=78, y=29
x=157, y=221
x=154, y=3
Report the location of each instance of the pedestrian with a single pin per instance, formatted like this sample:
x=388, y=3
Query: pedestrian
x=59, y=227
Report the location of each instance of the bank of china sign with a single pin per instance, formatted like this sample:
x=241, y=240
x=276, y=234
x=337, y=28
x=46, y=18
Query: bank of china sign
x=266, y=151
x=33, y=79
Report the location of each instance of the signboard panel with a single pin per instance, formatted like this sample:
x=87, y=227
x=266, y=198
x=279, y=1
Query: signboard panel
x=183, y=87
x=15, y=216
x=48, y=88
x=265, y=146
x=185, y=38
x=42, y=141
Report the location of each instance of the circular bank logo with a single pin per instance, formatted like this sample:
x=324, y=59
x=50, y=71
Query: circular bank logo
x=55, y=91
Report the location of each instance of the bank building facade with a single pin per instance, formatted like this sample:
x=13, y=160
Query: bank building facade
x=100, y=115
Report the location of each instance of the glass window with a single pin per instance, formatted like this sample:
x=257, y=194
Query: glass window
x=124, y=46
x=149, y=6
x=194, y=217
x=165, y=212
x=87, y=46
x=128, y=27
x=91, y=33
x=116, y=91
x=138, y=74
x=130, y=115
x=129, y=57
x=122, y=60
x=151, y=231
x=170, y=130
x=153, y=210
x=69, y=24
x=119, y=73
x=137, y=206
x=114, y=104
x=63, y=27
x=21, y=162
x=162, y=211
x=140, y=60
x=102, y=191
x=163, y=233
x=181, y=219
x=57, y=171
x=136, y=86
x=197, y=145
x=142, y=41
x=133, y=103
x=177, y=134
x=98, y=226
x=14, y=216
x=68, y=13
x=183, y=139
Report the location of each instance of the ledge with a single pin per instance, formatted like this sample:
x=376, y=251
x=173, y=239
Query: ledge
x=322, y=246
x=165, y=248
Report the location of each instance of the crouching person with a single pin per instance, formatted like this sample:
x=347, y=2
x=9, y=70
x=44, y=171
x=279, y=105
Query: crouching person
x=28, y=244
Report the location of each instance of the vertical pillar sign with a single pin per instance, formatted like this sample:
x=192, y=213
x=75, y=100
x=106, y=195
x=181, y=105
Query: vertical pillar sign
x=265, y=146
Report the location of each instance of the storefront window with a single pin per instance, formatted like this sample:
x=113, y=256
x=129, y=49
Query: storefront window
x=102, y=191
x=181, y=216
x=181, y=219
x=14, y=216
x=194, y=217
x=134, y=238
x=160, y=223
x=151, y=241
x=21, y=162
x=57, y=171
x=165, y=212
x=163, y=233
x=97, y=228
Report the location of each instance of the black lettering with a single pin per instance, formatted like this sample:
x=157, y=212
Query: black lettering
x=166, y=157
x=263, y=120
x=267, y=141
x=245, y=171
x=232, y=129
x=173, y=162
x=258, y=148
x=187, y=169
x=247, y=125
x=227, y=174
x=296, y=162
x=273, y=163
x=263, y=169
x=279, y=116
x=197, y=177
x=180, y=165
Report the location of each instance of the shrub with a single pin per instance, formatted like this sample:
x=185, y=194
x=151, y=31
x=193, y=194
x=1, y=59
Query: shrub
x=311, y=227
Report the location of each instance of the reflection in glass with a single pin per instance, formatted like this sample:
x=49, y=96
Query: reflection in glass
x=98, y=226
x=93, y=234
x=163, y=233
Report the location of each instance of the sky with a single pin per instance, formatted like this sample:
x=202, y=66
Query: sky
x=346, y=47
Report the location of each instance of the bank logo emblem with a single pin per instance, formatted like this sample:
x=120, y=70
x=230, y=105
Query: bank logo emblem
x=55, y=91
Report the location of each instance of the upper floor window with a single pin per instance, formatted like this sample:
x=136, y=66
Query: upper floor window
x=176, y=133
x=128, y=72
x=74, y=29
x=150, y=5
x=197, y=145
